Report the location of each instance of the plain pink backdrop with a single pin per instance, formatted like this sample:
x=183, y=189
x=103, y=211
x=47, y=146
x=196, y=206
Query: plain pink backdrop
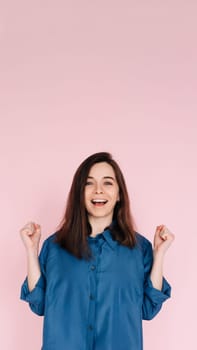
x=78, y=77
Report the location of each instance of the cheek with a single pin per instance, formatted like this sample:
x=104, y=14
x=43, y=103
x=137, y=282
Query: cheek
x=87, y=194
x=86, y=201
x=114, y=194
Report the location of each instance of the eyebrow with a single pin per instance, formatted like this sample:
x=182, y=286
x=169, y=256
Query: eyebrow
x=104, y=177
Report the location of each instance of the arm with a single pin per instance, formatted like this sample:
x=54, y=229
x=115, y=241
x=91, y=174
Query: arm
x=156, y=274
x=33, y=269
x=162, y=240
x=33, y=288
x=156, y=287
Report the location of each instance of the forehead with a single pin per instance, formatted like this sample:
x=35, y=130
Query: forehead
x=101, y=169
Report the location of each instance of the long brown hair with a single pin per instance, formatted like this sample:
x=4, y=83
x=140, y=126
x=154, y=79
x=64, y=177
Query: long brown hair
x=75, y=227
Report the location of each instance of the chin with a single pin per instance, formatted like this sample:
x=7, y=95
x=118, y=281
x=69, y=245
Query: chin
x=98, y=215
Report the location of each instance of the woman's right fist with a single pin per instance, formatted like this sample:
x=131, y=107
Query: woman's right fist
x=30, y=235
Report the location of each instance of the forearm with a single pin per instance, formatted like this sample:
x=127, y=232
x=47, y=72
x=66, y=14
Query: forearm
x=156, y=274
x=33, y=269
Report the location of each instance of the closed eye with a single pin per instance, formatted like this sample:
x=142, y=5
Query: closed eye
x=106, y=183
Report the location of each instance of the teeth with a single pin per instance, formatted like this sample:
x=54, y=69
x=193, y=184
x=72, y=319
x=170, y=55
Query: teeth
x=99, y=201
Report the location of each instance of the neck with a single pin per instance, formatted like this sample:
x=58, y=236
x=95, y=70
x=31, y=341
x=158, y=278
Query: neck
x=98, y=225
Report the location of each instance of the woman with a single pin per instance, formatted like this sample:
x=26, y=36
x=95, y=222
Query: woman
x=96, y=278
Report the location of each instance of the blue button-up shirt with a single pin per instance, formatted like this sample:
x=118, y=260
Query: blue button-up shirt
x=97, y=304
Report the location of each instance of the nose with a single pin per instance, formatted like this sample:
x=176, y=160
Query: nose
x=98, y=189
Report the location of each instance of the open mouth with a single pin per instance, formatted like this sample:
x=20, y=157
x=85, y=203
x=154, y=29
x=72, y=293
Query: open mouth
x=99, y=202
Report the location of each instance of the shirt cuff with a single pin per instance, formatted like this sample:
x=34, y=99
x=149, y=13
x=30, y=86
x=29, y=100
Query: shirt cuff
x=157, y=296
x=37, y=292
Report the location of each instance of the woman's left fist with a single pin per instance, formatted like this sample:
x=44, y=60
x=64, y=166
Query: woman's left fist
x=163, y=239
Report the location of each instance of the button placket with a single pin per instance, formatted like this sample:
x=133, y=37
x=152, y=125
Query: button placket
x=91, y=296
x=93, y=269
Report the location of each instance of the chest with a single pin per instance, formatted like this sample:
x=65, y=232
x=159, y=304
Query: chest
x=118, y=268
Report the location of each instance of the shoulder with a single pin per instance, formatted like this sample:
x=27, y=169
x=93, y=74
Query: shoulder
x=50, y=239
x=145, y=247
x=46, y=248
x=48, y=243
x=143, y=242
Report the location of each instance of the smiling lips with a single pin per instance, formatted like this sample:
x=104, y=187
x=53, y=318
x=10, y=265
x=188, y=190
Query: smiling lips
x=99, y=202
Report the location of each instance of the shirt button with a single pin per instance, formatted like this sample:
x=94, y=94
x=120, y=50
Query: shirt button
x=91, y=296
x=90, y=327
x=93, y=267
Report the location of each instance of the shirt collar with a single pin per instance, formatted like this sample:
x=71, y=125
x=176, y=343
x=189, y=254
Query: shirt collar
x=107, y=235
x=109, y=238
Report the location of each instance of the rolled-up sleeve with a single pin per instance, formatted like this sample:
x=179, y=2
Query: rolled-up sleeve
x=153, y=298
x=36, y=297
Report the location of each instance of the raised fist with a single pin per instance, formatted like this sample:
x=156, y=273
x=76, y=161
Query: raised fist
x=31, y=234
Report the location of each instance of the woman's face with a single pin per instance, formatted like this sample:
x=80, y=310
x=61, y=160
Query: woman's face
x=101, y=185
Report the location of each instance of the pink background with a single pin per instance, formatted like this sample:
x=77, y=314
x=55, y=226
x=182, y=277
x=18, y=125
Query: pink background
x=78, y=77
